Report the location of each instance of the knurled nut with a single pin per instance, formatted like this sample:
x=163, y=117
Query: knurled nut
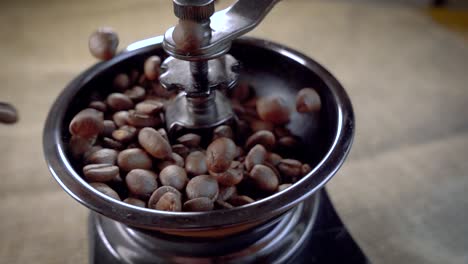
x=194, y=12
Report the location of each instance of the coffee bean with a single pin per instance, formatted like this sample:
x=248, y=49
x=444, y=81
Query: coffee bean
x=136, y=93
x=135, y=202
x=111, y=143
x=151, y=68
x=219, y=154
x=273, y=108
x=119, y=102
x=103, y=43
x=158, y=193
x=262, y=137
x=141, y=183
x=134, y=76
x=256, y=155
x=239, y=152
x=308, y=100
x=169, y=202
x=121, y=82
x=239, y=200
x=264, y=178
x=175, y=159
x=125, y=134
x=222, y=131
x=241, y=92
x=149, y=107
x=226, y=192
x=8, y=113
x=273, y=158
x=283, y=187
x=198, y=205
x=258, y=125
x=290, y=167
x=174, y=176
x=105, y=189
x=202, y=186
x=288, y=142
x=223, y=204
x=78, y=145
x=120, y=118
x=305, y=169
x=109, y=127
x=142, y=120
x=88, y=123
x=231, y=176
x=98, y=105
x=100, y=172
x=154, y=143
x=281, y=131
x=180, y=149
x=90, y=151
x=163, y=133
x=195, y=163
x=190, y=140
x=102, y=156
x=134, y=158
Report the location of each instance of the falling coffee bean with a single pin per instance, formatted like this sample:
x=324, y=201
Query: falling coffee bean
x=103, y=43
x=308, y=100
x=274, y=109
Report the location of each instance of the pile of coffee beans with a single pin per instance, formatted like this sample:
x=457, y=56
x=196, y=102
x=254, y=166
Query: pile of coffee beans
x=123, y=149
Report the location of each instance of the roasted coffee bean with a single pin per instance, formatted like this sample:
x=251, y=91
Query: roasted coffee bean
x=198, y=205
x=169, y=202
x=100, y=172
x=78, y=145
x=103, y=43
x=258, y=125
x=109, y=127
x=90, y=151
x=273, y=158
x=142, y=120
x=174, y=160
x=149, y=107
x=125, y=134
x=305, y=169
x=274, y=109
x=151, y=68
x=141, y=183
x=226, y=192
x=223, y=131
x=308, y=100
x=256, y=155
x=281, y=131
x=219, y=154
x=174, y=176
x=190, y=140
x=163, y=133
x=134, y=76
x=134, y=158
x=113, y=144
x=136, y=93
x=290, y=167
x=135, y=202
x=121, y=82
x=239, y=152
x=195, y=163
x=241, y=92
x=158, y=193
x=105, y=189
x=288, y=142
x=88, y=123
x=231, y=176
x=283, y=187
x=264, y=178
x=98, y=105
x=180, y=149
x=202, y=186
x=262, y=137
x=120, y=118
x=239, y=200
x=154, y=143
x=102, y=156
x=8, y=113
x=119, y=102
x=223, y=204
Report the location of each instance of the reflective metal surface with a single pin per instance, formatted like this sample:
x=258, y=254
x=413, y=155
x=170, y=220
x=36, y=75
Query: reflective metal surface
x=274, y=242
x=269, y=68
